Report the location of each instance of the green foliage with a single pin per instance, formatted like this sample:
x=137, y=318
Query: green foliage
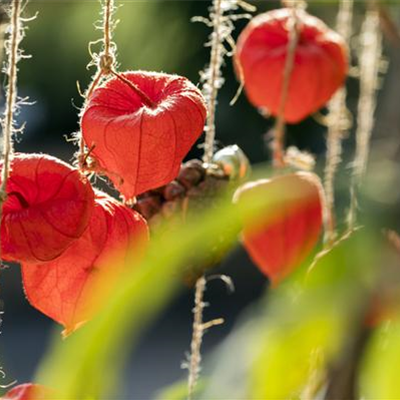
x=300, y=329
x=79, y=367
x=285, y=345
x=178, y=391
x=380, y=378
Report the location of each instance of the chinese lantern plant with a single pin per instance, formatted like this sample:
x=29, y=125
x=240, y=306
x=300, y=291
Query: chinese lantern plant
x=139, y=126
x=320, y=63
x=65, y=237
x=48, y=206
x=195, y=187
x=29, y=391
x=71, y=288
x=280, y=241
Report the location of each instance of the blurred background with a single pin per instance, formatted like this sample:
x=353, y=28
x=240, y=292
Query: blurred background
x=159, y=36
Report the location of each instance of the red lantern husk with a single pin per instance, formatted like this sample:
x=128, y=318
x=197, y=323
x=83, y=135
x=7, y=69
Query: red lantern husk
x=320, y=64
x=285, y=236
x=29, y=391
x=48, y=206
x=140, y=144
x=71, y=288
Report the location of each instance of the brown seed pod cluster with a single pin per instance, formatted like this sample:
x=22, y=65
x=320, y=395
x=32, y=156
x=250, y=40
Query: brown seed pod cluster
x=195, y=187
x=194, y=190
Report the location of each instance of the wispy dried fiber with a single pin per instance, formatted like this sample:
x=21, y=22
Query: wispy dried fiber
x=339, y=123
x=223, y=14
x=370, y=61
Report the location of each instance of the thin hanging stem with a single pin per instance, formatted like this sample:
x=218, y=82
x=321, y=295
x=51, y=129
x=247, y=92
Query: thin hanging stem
x=222, y=20
x=214, y=73
x=3, y=25
x=109, y=6
x=199, y=329
x=143, y=96
x=370, y=62
x=11, y=97
x=197, y=336
x=223, y=25
x=105, y=62
x=278, y=144
x=338, y=125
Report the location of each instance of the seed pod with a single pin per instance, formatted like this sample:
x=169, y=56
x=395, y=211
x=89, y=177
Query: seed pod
x=281, y=239
x=170, y=208
x=191, y=173
x=148, y=205
x=29, y=391
x=140, y=129
x=320, y=63
x=71, y=288
x=174, y=190
x=233, y=162
x=48, y=206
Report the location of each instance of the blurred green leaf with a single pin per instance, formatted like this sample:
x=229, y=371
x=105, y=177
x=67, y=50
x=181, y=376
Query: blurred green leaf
x=88, y=363
x=314, y=322
x=299, y=329
x=380, y=374
x=178, y=391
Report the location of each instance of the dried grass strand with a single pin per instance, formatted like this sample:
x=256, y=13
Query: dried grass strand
x=221, y=19
x=104, y=62
x=197, y=336
x=199, y=329
x=370, y=59
x=214, y=71
x=11, y=96
x=339, y=122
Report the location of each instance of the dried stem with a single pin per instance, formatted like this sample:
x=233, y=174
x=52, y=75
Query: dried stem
x=3, y=25
x=221, y=20
x=222, y=24
x=214, y=72
x=370, y=62
x=278, y=144
x=11, y=96
x=109, y=6
x=104, y=61
x=199, y=328
x=338, y=125
x=197, y=336
x=143, y=96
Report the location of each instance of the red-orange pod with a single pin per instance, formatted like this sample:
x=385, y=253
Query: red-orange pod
x=281, y=239
x=71, y=288
x=320, y=63
x=29, y=391
x=48, y=206
x=139, y=130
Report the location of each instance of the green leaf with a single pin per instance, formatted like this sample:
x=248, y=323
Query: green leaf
x=309, y=319
x=178, y=391
x=88, y=363
x=380, y=372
